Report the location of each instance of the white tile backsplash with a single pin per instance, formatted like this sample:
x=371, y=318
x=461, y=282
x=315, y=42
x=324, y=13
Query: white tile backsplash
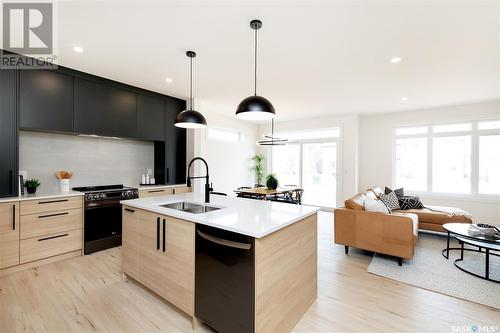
x=93, y=160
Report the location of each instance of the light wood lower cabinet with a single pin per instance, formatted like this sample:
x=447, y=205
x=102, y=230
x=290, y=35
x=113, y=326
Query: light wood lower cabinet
x=40, y=230
x=37, y=248
x=158, y=192
x=9, y=234
x=158, y=252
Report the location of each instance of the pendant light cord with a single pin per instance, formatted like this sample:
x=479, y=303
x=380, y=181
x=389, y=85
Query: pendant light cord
x=191, y=83
x=255, y=65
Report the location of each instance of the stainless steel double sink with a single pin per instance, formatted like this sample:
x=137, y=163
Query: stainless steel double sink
x=190, y=207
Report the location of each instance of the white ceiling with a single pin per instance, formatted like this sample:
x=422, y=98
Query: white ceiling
x=316, y=58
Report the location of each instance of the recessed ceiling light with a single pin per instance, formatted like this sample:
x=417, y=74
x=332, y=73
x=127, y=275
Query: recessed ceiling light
x=404, y=99
x=78, y=49
x=168, y=80
x=395, y=60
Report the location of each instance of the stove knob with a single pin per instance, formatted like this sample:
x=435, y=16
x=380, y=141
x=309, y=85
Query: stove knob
x=102, y=196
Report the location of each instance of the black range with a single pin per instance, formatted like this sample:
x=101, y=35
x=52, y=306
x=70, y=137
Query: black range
x=103, y=216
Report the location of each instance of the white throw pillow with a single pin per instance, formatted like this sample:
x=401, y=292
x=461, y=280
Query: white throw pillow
x=373, y=205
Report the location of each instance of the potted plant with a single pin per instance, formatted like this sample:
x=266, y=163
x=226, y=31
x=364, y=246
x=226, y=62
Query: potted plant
x=31, y=185
x=259, y=169
x=271, y=182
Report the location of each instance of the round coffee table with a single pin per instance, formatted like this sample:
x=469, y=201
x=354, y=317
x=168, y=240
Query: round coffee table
x=461, y=233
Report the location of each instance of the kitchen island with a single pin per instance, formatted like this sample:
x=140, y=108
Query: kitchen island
x=235, y=264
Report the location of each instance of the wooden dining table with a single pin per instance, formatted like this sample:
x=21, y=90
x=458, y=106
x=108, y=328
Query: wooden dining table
x=264, y=193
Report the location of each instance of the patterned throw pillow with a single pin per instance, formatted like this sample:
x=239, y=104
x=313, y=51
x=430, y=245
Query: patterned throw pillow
x=390, y=200
x=400, y=192
x=409, y=202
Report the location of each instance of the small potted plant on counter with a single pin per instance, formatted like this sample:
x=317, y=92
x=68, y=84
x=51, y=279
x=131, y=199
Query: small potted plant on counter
x=31, y=185
x=271, y=182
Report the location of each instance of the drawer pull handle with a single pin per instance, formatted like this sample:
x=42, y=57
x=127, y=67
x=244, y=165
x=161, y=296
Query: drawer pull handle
x=52, y=215
x=13, y=217
x=52, y=201
x=164, y=234
x=130, y=210
x=225, y=242
x=156, y=191
x=47, y=238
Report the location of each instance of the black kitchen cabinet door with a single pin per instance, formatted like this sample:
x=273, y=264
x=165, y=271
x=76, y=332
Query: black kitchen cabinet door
x=104, y=109
x=8, y=133
x=150, y=118
x=45, y=100
x=175, y=143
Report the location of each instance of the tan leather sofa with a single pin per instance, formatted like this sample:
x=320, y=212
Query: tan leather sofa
x=392, y=234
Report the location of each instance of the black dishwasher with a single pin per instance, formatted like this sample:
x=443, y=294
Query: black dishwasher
x=225, y=280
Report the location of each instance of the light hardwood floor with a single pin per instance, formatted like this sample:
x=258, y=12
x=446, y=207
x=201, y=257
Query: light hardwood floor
x=87, y=294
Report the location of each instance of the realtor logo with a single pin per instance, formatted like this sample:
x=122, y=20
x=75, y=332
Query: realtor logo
x=28, y=28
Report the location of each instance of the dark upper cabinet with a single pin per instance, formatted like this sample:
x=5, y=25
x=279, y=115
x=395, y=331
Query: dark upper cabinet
x=150, y=118
x=8, y=133
x=104, y=109
x=45, y=100
x=175, y=143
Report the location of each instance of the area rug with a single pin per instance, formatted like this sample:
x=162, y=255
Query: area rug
x=430, y=270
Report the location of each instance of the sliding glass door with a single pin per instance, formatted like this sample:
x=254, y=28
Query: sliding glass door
x=311, y=165
x=319, y=174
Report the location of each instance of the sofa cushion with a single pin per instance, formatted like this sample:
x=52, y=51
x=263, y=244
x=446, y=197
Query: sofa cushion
x=375, y=205
x=428, y=216
x=410, y=202
x=400, y=192
x=390, y=200
x=414, y=218
x=357, y=202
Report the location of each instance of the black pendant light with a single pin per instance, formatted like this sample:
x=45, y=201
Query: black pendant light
x=190, y=118
x=255, y=107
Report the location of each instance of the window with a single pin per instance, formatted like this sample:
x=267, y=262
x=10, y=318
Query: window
x=461, y=158
x=223, y=135
x=411, y=163
x=286, y=164
x=451, y=164
x=489, y=164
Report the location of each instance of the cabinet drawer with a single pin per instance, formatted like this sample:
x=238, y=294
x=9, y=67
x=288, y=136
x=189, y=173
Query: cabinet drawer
x=50, y=245
x=155, y=192
x=52, y=222
x=50, y=205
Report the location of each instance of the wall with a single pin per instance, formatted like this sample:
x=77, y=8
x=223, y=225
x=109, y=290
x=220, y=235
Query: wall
x=348, y=124
x=230, y=164
x=375, y=150
x=93, y=161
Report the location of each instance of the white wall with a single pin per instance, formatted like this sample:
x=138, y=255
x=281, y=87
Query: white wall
x=375, y=150
x=230, y=163
x=348, y=167
x=93, y=161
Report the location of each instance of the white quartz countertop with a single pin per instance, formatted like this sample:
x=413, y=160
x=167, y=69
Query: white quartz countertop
x=42, y=195
x=255, y=218
x=153, y=186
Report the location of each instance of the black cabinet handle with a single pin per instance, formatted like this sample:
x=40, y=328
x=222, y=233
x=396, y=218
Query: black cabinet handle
x=155, y=191
x=11, y=175
x=225, y=242
x=52, y=215
x=130, y=210
x=158, y=233
x=52, y=201
x=58, y=236
x=13, y=217
x=164, y=232
x=168, y=175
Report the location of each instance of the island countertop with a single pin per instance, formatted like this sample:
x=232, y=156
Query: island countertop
x=255, y=218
